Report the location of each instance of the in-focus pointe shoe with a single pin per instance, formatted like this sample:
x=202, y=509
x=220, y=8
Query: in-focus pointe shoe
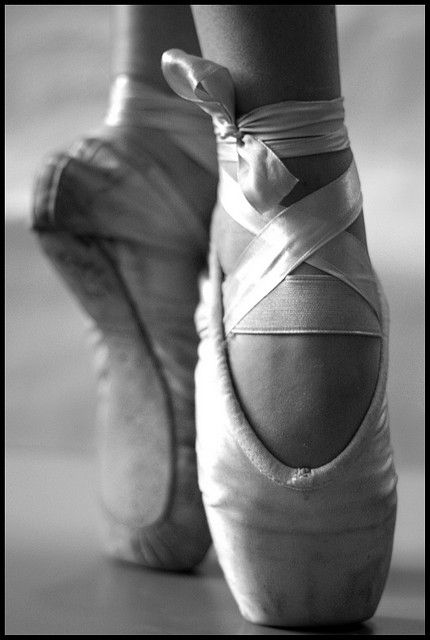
x=124, y=217
x=299, y=546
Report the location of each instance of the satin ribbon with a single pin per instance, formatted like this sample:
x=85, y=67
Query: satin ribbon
x=290, y=238
x=263, y=178
x=254, y=140
x=139, y=105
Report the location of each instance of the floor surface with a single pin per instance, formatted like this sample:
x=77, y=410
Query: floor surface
x=58, y=582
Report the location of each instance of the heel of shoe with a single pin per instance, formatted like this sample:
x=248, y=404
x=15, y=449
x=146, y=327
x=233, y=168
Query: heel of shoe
x=45, y=192
x=66, y=191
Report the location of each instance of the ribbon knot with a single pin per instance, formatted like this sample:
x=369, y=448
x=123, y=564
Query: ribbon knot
x=225, y=130
x=262, y=176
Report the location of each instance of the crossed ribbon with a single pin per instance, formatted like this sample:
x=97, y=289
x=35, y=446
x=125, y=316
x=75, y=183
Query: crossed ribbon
x=312, y=229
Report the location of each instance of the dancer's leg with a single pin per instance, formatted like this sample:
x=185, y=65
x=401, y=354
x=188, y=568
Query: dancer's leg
x=291, y=49
x=124, y=217
x=305, y=395
x=142, y=32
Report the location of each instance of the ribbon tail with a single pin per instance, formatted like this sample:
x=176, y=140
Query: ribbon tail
x=200, y=81
x=263, y=177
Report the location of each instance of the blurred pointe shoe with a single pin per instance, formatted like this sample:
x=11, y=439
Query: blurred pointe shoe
x=123, y=215
x=300, y=547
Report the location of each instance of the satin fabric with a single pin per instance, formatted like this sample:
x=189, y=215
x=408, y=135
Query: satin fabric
x=133, y=103
x=284, y=237
x=298, y=546
x=307, y=230
x=129, y=237
x=262, y=135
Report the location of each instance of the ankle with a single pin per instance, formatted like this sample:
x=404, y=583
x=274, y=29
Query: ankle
x=315, y=171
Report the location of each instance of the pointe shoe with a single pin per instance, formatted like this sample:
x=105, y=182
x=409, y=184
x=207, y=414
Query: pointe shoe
x=299, y=547
x=126, y=228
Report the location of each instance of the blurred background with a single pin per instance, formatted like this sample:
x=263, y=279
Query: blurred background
x=57, y=85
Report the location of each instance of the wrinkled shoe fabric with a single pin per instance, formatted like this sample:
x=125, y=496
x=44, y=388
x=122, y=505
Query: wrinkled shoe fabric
x=299, y=546
x=124, y=215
